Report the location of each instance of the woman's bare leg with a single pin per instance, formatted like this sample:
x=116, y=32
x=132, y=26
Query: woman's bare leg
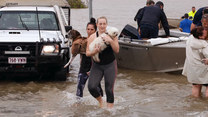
x=196, y=90
x=110, y=105
x=100, y=100
x=206, y=92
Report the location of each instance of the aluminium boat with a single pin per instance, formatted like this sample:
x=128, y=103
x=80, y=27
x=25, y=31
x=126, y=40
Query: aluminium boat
x=158, y=55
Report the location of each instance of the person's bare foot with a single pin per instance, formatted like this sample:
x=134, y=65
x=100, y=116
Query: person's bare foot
x=100, y=100
x=110, y=105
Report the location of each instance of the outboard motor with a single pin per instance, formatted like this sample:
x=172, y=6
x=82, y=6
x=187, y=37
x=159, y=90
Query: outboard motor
x=130, y=32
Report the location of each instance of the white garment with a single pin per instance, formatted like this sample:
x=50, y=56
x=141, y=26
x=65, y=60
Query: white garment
x=157, y=41
x=194, y=69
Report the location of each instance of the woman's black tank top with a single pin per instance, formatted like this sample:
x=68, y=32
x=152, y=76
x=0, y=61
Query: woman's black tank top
x=106, y=56
x=85, y=64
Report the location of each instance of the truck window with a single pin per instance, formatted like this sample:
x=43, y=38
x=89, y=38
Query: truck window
x=28, y=20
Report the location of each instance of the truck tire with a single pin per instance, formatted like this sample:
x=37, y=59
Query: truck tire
x=61, y=75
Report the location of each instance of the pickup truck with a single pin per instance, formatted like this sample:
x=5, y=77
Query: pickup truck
x=33, y=39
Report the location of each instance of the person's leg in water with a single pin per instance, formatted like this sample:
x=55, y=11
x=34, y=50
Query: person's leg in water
x=99, y=88
x=196, y=90
x=96, y=75
x=206, y=91
x=110, y=76
x=82, y=79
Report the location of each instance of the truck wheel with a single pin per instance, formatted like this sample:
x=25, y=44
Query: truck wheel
x=61, y=75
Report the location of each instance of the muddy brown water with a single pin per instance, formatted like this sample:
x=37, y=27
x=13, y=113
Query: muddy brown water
x=137, y=93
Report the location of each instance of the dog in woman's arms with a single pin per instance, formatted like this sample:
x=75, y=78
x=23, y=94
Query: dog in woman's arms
x=79, y=45
x=112, y=32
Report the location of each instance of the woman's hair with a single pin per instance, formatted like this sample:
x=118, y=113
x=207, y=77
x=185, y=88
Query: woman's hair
x=198, y=31
x=205, y=16
x=102, y=17
x=92, y=22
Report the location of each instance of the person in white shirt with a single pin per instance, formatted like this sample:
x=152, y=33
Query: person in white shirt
x=194, y=68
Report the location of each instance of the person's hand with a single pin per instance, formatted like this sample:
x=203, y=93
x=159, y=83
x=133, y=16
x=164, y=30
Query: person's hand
x=139, y=31
x=181, y=29
x=88, y=73
x=97, y=48
x=107, y=39
x=205, y=61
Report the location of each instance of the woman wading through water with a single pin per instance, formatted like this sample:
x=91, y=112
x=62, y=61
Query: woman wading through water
x=107, y=67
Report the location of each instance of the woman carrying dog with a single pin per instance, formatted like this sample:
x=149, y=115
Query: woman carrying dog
x=86, y=63
x=107, y=67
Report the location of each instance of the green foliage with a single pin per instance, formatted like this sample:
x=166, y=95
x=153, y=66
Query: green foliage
x=77, y=4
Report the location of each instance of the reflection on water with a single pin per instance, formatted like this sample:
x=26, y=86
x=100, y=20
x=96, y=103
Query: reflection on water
x=137, y=93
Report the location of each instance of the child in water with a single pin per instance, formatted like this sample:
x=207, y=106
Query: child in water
x=194, y=68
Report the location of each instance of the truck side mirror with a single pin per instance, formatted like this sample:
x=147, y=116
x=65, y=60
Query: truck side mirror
x=68, y=28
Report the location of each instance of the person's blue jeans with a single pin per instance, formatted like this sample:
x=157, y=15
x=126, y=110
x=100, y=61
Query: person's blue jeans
x=82, y=79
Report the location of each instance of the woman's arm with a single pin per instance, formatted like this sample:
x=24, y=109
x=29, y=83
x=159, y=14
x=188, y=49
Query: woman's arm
x=205, y=53
x=96, y=49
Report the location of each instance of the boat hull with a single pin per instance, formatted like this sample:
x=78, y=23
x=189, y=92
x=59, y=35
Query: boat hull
x=161, y=58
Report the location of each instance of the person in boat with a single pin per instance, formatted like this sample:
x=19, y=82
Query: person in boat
x=185, y=25
x=192, y=13
x=198, y=17
x=149, y=18
x=85, y=63
x=194, y=69
x=107, y=67
x=148, y=3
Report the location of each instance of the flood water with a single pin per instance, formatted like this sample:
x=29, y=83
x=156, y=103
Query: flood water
x=137, y=93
